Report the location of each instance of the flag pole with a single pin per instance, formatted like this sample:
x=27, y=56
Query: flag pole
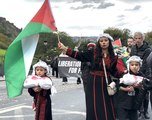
x=58, y=36
x=56, y=32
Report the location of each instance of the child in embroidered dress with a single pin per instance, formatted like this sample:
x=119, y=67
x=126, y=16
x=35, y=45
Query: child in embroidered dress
x=129, y=89
x=40, y=88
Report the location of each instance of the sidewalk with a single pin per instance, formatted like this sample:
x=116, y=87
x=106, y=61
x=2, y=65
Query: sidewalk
x=1, y=78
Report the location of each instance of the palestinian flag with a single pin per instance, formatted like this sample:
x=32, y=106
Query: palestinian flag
x=20, y=53
x=117, y=43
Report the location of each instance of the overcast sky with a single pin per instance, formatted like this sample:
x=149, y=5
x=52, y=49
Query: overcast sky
x=84, y=17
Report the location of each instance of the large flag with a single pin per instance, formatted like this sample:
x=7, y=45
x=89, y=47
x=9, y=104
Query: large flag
x=20, y=53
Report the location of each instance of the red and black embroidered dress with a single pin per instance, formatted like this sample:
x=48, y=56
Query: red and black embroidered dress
x=42, y=101
x=100, y=105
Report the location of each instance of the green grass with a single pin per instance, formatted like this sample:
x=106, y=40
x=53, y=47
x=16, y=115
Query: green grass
x=2, y=54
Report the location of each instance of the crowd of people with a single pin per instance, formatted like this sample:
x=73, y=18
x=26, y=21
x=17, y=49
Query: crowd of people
x=102, y=66
x=132, y=104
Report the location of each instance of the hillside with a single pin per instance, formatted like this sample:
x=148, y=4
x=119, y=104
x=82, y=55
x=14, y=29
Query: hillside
x=8, y=29
x=8, y=32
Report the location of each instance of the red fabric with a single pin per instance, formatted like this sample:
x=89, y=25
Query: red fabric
x=45, y=16
x=99, y=73
x=120, y=66
x=40, y=107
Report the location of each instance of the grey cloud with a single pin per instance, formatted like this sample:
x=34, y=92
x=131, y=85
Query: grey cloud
x=102, y=3
x=82, y=1
x=122, y=23
x=87, y=1
x=84, y=27
x=101, y=6
x=134, y=1
x=137, y=7
x=121, y=18
x=145, y=18
x=105, y=5
x=82, y=7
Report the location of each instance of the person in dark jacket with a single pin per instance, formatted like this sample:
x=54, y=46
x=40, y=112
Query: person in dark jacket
x=142, y=49
x=86, y=67
x=54, y=65
x=100, y=105
x=149, y=64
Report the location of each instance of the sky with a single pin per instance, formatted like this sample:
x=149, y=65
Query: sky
x=84, y=17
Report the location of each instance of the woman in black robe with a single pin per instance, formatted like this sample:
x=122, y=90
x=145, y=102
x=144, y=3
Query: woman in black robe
x=100, y=105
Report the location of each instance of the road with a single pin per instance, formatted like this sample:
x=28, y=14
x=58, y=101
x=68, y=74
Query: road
x=67, y=104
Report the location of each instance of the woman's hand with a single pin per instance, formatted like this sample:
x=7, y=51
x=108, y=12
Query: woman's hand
x=62, y=47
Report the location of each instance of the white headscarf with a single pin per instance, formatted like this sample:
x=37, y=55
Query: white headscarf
x=105, y=35
x=134, y=58
x=40, y=64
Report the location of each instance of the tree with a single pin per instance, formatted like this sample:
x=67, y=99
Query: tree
x=4, y=41
x=117, y=33
x=66, y=39
x=51, y=46
x=148, y=37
